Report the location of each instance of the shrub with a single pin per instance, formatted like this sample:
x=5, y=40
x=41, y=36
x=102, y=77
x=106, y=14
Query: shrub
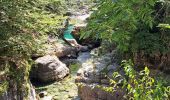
x=140, y=85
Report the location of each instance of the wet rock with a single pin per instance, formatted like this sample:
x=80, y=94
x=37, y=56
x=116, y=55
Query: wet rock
x=49, y=68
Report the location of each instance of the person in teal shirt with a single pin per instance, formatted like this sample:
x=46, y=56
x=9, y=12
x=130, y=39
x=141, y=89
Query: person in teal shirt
x=69, y=37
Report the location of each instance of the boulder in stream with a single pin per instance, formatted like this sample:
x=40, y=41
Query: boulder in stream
x=49, y=68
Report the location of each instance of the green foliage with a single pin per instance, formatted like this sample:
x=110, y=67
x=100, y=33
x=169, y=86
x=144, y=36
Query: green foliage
x=23, y=25
x=164, y=25
x=22, y=22
x=3, y=87
x=132, y=25
x=140, y=85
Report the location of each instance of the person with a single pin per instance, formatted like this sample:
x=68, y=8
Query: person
x=69, y=29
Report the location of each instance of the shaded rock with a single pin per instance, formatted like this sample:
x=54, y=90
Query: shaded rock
x=84, y=48
x=68, y=61
x=113, y=67
x=68, y=14
x=49, y=68
x=42, y=94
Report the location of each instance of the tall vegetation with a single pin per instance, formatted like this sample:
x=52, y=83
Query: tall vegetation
x=138, y=85
x=22, y=25
x=138, y=28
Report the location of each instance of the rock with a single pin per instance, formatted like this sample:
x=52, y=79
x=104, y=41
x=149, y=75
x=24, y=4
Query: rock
x=32, y=93
x=68, y=61
x=84, y=48
x=13, y=94
x=95, y=73
x=71, y=94
x=47, y=98
x=60, y=50
x=113, y=67
x=91, y=69
x=89, y=92
x=49, y=68
x=42, y=94
x=68, y=14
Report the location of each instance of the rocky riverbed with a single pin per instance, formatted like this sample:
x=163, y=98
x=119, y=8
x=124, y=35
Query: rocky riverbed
x=65, y=89
x=59, y=79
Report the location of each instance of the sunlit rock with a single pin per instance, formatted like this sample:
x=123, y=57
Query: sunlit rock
x=49, y=68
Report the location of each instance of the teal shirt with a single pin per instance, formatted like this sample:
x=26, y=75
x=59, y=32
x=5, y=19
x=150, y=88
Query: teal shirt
x=67, y=32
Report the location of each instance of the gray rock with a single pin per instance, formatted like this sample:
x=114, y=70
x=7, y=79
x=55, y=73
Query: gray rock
x=60, y=50
x=91, y=92
x=113, y=67
x=84, y=48
x=49, y=68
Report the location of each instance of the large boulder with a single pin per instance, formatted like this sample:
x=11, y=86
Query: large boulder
x=93, y=70
x=49, y=68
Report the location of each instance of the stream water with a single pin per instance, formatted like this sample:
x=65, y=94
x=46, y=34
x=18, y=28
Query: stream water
x=66, y=89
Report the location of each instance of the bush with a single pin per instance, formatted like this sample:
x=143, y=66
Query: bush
x=140, y=85
x=135, y=26
x=23, y=23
